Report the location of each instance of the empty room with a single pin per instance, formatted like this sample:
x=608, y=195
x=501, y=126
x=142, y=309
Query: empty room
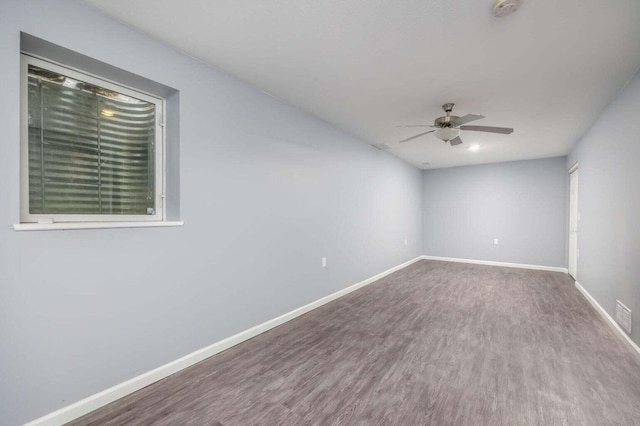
x=244, y=212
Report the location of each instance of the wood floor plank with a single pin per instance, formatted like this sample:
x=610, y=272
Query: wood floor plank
x=436, y=343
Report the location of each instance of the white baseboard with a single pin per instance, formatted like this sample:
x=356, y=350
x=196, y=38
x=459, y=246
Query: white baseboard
x=93, y=402
x=607, y=317
x=491, y=263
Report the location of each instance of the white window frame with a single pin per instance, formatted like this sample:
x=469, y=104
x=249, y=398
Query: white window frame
x=159, y=167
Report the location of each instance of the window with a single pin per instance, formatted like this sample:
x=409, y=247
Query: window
x=92, y=151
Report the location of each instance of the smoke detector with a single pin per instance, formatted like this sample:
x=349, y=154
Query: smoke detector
x=505, y=7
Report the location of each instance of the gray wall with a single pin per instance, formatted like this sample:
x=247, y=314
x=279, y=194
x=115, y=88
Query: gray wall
x=266, y=191
x=609, y=206
x=522, y=203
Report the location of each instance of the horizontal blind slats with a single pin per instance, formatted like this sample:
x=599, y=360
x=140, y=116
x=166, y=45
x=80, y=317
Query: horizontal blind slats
x=88, y=154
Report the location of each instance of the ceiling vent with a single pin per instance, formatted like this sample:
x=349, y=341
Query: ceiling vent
x=505, y=7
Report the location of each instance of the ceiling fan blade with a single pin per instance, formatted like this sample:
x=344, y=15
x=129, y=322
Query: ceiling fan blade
x=467, y=119
x=502, y=130
x=416, y=125
x=416, y=136
x=455, y=141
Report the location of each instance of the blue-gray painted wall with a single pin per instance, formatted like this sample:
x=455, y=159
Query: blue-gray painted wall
x=266, y=191
x=609, y=205
x=521, y=203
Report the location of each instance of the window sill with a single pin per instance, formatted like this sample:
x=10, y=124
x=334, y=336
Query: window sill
x=92, y=225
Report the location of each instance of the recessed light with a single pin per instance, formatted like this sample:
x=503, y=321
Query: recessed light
x=474, y=147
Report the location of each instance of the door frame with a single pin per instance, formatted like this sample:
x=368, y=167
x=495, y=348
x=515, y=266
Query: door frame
x=574, y=274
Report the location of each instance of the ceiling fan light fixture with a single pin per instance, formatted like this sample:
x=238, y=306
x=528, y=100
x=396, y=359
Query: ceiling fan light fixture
x=447, y=133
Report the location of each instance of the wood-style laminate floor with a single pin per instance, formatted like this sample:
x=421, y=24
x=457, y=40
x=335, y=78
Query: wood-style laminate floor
x=436, y=343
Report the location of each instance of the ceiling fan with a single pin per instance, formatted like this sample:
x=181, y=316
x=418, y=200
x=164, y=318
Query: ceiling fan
x=448, y=128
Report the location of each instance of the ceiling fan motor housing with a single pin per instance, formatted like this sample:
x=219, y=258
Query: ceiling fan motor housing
x=505, y=7
x=445, y=121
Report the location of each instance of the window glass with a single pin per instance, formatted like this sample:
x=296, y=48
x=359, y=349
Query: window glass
x=91, y=150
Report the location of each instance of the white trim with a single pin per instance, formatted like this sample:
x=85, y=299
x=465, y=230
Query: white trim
x=24, y=138
x=573, y=168
x=492, y=263
x=607, y=317
x=574, y=213
x=93, y=402
x=92, y=225
x=25, y=215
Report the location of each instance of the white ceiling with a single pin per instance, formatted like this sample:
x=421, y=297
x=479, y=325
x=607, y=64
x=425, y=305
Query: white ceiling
x=369, y=65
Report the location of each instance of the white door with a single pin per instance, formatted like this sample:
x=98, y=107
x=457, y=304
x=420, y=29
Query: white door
x=573, y=223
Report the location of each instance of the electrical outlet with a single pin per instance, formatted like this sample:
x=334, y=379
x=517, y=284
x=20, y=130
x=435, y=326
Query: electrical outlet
x=324, y=262
x=623, y=316
x=406, y=241
x=495, y=241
